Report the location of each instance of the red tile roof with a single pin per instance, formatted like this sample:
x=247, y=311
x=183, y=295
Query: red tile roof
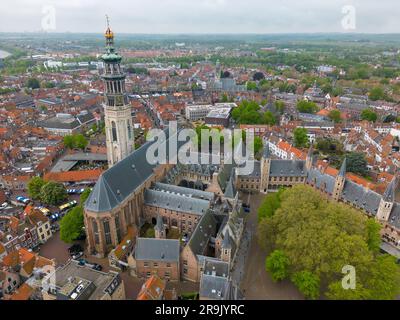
x=74, y=176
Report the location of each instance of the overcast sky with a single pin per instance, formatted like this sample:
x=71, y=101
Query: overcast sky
x=201, y=16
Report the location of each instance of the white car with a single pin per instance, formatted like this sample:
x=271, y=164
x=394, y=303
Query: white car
x=77, y=255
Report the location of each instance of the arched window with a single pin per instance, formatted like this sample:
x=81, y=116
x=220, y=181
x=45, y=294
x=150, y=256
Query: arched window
x=114, y=131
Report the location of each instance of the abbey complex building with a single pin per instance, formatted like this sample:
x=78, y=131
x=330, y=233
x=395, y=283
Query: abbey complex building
x=194, y=209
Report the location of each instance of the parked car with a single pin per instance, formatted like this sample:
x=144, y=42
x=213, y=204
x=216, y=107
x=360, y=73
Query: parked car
x=82, y=262
x=246, y=207
x=97, y=267
x=76, y=256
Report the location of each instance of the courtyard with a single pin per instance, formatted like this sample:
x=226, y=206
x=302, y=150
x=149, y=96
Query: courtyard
x=256, y=283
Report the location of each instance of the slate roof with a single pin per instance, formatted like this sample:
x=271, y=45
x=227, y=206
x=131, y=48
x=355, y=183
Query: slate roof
x=394, y=218
x=184, y=191
x=320, y=180
x=175, y=202
x=121, y=180
x=206, y=228
x=214, y=287
x=288, y=168
x=390, y=192
x=361, y=197
x=219, y=288
x=342, y=171
x=230, y=190
x=157, y=249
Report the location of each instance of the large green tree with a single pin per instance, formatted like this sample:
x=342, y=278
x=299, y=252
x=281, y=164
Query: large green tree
x=33, y=83
x=307, y=283
x=300, y=137
x=53, y=193
x=84, y=195
x=369, y=115
x=304, y=106
x=334, y=115
x=71, y=225
x=377, y=93
x=356, y=163
x=321, y=236
x=277, y=264
x=35, y=185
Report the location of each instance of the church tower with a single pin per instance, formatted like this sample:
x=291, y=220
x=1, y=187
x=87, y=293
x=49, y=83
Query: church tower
x=387, y=202
x=265, y=169
x=339, y=182
x=118, y=117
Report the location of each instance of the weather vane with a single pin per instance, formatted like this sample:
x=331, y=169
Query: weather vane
x=108, y=21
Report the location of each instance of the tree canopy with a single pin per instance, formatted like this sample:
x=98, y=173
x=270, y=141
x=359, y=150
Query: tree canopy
x=32, y=83
x=304, y=106
x=377, y=93
x=71, y=225
x=53, y=193
x=75, y=141
x=300, y=137
x=369, y=115
x=248, y=112
x=320, y=237
x=35, y=185
x=356, y=163
x=277, y=264
x=335, y=115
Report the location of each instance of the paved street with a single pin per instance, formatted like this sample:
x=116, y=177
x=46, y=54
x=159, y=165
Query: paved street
x=256, y=283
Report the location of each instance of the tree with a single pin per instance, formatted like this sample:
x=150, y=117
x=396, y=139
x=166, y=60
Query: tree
x=270, y=204
x=335, y=115
x=356, y=163
x=71, y=225
x=251, y=86
x=225, y=74
x=280, y=106
x=268, y=118
x=69, y=141
x=307, y=106
x=84, y=195
x=248, y=112
x=307, y=283
x=258, y=144
x=75, y=141
x=373, y=235
x=321, y=237
x=35, y=185
x=369, y=115
x=80, y=141
x=381, y=281
x=33, y=83
x=377, y=93
x=53, y=193
x=300, y=137
x=277, y=265
x=258, y=76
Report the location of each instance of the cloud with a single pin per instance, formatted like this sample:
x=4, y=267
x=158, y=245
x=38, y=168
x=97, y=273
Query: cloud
x=203, y=16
